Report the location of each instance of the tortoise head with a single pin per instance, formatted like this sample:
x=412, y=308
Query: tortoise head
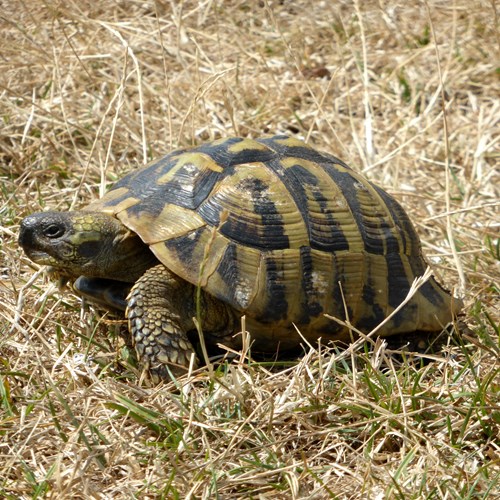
x=84, y=243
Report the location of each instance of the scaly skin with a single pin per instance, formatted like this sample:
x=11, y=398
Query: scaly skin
x=157, y=326
x=160, y=312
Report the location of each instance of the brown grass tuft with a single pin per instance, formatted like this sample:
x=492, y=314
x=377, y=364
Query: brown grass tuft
x=406, y=93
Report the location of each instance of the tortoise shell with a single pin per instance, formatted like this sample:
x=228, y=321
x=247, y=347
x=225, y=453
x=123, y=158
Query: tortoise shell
x=284, y=234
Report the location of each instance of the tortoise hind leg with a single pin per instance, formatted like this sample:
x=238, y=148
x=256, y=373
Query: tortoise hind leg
x=159, y=312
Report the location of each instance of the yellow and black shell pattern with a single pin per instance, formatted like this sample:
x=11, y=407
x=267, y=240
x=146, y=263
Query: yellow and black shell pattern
x=282, y=233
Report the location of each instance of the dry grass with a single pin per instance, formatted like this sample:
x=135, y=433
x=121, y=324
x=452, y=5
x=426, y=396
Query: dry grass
x=408, y=94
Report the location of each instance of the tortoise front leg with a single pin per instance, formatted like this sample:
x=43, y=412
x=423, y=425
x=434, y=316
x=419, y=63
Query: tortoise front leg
x=159, y=312
x=108, y=293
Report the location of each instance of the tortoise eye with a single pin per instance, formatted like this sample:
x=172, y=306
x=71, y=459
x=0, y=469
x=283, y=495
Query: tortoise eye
x=53, y=231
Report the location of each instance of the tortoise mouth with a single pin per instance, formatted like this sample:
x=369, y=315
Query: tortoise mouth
x=45, y=259
x=39, y=256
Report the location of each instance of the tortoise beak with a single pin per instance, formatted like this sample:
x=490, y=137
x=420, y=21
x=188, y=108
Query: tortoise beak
x=28, y=239
x=25, y=239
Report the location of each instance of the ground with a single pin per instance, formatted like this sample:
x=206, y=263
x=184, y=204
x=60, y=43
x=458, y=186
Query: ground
x=406, y=93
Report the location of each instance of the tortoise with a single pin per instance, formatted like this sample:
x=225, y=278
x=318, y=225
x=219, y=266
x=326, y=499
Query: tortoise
x=269, y=228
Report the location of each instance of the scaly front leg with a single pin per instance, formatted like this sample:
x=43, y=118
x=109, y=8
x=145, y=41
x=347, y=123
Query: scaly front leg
x=159, y=312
